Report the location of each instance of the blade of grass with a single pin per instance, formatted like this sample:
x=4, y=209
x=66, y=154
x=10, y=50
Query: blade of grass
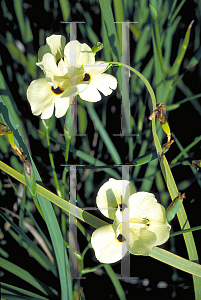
x=29, y=245
x=183, y=220
x=88, y=158
x=65, y=205
x=5, y=288
x=39, y=229
x=65, y=9
x=158, y=59
x=183, y=151
x=168, y=42
x=112, y=35
x=119, y=16
x=41, y=239
x=82, y=215
x=94, y=162
x=176, y=261
x=26, y=276
x=176, y=105
x=175, y=68
x=24, y=24
x=6, y=97
x=103, y=133
x=177, y=10
x=115, y=281
x=13, y=122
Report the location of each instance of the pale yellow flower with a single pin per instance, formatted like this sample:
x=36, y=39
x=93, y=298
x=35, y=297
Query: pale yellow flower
x=69, y=70
x=139, y=222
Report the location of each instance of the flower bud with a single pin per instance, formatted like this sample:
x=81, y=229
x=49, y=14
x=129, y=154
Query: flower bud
x=97, y=47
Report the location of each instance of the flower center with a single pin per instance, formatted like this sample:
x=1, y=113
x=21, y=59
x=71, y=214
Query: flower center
x=57, y=91
x=58, y=61
x=138, y=222
x=121, y=238
x=122, y=206
x=87, y=77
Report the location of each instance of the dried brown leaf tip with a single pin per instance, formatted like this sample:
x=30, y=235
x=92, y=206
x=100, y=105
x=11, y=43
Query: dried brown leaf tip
x=4, y=129
x=159, y=113
x=26, y=163
x=181, y=196
x=168, y=145
x=196, y=164
x=20, y=153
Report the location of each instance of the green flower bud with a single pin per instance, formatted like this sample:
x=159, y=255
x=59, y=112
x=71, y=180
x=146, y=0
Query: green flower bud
x=97, y=47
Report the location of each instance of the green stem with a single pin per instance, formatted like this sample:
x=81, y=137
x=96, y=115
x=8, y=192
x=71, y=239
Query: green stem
x=22, y=208
x=65, y=168
x=51, y=159
x=177, y=11
x=183, y=151
x=185, y=230
x=63, y=216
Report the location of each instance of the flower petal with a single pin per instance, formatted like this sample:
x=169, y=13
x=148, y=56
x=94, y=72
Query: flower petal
x=61, y=106
x=105, y=83
x=142, y=242
x=142, y=204
x=41, y=98
x=97, y=68
x=78, y=53
x=55, y=45
x=107, y=248
x=90, y=94
x=148, y=216
x=111, y=194
x=162, y=232
x=48, y=64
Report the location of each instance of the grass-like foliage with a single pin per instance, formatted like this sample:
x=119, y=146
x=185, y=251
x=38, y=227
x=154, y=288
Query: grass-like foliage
x=146, y=131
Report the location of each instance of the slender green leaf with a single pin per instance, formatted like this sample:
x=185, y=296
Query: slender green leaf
x=119, y=16
x=30, y=246
x=175, y=68
x=11, y=119
x=184, y=151
x=183, y=220
x=115, y=281
x=103, y=133
x=158, y=59
x=176, y=261
x=65, y=205
x=65, y=8
x=112, y=34
x=5, y=288
x=26, y=276
x=177, y=10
